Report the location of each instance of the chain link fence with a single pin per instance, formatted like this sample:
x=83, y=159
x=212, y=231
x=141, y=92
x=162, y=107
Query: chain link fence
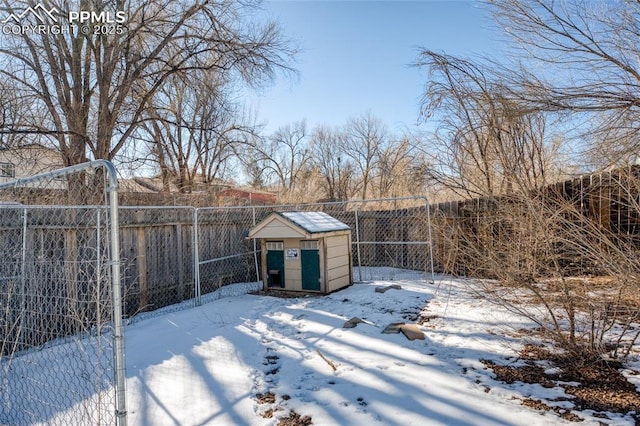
x=73, y=265
x=157, y=254
x=225, y=255
x=390, y=240
x=388, y=235
x=61, y=353
x=178, y=257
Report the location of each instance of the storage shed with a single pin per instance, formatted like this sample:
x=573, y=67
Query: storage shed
x=304, y=251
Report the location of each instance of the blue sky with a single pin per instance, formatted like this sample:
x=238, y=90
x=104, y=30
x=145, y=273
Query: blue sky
x=355, y=57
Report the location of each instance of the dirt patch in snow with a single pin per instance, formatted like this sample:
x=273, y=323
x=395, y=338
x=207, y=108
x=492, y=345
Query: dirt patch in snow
x=621, y=301
x=595, y=385
x=295, y=419
x=268, y=402
x=266, y=398
x=564, y=413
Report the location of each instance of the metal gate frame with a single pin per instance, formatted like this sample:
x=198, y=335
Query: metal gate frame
x=114, y=247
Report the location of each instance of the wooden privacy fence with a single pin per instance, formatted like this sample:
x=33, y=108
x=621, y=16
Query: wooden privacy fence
x=606, y=205
x=157, y=253
x=174, y=254
x=165, y=261
x=164, y=258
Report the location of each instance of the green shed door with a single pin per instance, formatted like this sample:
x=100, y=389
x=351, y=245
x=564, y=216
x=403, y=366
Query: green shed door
x=275, y=264
x=310, y=262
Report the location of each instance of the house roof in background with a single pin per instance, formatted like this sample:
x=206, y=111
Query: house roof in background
x=250, y=194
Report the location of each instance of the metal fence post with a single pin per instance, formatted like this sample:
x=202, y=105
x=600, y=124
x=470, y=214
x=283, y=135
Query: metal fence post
x=358, y=245
x=430, y=237
x=98, y=263
x=196, y=259
x=23, y=272
x=118, y=332
x=255, y=246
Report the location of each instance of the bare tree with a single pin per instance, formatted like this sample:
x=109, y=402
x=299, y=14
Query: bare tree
x=486, y=140
x=541, y=243
x=588, y=51
x=192, y=128
x=359, y=159
x=333, y=165
x=253, y=166
x=400, y=169
x=96, y=87
x=15, y=112
x=285, y=154
x=364, y=139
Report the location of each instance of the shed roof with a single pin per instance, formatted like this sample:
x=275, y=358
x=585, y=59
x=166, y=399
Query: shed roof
x=315, y=222
x=296, y=225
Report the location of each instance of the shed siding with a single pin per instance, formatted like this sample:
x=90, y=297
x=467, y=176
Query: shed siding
x=341, y=278
x=338, y=251
x=338, y=262
x=278, y=230
x=336, y=240
x=335, y=262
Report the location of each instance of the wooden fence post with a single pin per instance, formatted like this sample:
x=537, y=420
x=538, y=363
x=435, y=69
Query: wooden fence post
x=71, y=277
x=180, y=260
x=141, y=263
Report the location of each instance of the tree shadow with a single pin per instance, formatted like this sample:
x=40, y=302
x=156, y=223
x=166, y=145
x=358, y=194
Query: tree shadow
x=190, y=367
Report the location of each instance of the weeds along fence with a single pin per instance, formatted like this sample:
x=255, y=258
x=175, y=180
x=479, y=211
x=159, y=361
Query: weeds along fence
x=60, y=282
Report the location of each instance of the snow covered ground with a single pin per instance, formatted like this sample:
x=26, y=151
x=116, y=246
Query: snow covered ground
x=252, y=359
x=207, y=365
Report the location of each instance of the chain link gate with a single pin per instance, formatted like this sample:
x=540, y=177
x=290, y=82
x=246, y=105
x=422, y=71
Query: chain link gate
x=61, y=353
